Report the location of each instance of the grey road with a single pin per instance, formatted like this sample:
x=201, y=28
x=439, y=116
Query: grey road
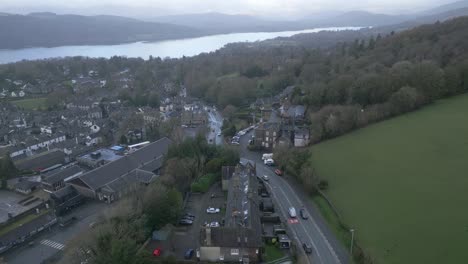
x=51, y=241
x=314, y=231
x=215, y=124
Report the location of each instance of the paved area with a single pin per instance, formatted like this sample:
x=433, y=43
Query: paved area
x=215, y=123
x=51, y=241
x=9, y=203
x=188, y=237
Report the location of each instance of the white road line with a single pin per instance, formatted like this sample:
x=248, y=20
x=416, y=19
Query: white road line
x=52, y=244
x=315, y=224
x=302, y=226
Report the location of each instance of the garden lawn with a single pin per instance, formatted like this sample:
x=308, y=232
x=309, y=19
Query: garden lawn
x=403, y=184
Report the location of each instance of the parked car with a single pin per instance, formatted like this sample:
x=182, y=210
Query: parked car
x=186, y=217
x=292, y=212
x=212, y=210
x=235, y=143
x=189, y=253
x=214, y=224
x=303, y=214
x=157, y=252
x=219, y=134
x=265, y=177
x=307, y=248
x=278, y=172
x=185, y=222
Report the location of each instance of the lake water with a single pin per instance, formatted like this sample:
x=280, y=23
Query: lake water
x=168, y=48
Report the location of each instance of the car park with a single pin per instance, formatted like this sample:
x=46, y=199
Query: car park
x=303, y=214
x=212, y=210
x=307, y=248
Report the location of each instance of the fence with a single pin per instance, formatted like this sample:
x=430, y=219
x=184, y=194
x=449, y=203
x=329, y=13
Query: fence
x=358, y=253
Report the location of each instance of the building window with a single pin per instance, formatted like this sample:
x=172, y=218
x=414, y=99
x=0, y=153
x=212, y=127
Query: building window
x=234, y=251
x=274, y=134
x=267, y=133
x=267, y=139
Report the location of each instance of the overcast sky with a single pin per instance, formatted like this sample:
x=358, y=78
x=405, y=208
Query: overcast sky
x=266, y=8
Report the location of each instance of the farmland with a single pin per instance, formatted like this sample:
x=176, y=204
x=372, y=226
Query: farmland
x=402, y=184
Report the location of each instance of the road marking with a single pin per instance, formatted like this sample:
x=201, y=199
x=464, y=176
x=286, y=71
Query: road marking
x=294, y=231
x=52, y=244
x=315, y=224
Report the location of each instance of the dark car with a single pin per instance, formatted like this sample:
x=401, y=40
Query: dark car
x=304, y=214
x=189, y=253
x=307, y=248
x=185, y=222
x=189, y=214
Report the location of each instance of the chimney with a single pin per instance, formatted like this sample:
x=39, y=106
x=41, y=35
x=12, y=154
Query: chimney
x=208, y=236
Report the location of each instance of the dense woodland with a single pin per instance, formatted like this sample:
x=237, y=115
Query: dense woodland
x=346, y=79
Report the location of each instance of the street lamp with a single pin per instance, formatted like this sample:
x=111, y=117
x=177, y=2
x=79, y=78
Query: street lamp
x=352, y=242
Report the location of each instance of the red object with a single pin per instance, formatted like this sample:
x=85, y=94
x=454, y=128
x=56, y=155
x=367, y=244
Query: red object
x=157, y=252
x=278, y=172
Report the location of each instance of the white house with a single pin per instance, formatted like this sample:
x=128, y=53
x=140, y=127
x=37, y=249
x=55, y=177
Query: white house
x=21, y=94
x=13, y=94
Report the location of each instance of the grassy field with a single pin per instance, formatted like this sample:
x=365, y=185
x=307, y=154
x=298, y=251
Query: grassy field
x=403, y=184
x=31, y=104
x=272, y=253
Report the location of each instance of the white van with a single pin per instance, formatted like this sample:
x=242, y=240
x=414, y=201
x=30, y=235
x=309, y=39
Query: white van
x=292, y=212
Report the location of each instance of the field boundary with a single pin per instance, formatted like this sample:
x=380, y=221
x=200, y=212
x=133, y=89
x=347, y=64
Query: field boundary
x=359, y=255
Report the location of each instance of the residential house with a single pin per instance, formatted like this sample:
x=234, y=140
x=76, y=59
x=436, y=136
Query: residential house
x=301, y=137
x=266, y=135
x=26, y=186
x=293, y=113
x=115, y=179
x=240, y=239
x=195, y=117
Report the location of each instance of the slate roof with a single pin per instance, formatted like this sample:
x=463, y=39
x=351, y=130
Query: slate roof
x=110, y=172
x=234, y=237
x=60, y=175
x=26, y=185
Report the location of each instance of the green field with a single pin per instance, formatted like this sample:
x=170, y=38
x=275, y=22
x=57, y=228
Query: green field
x=403, y=184
x=31, y=104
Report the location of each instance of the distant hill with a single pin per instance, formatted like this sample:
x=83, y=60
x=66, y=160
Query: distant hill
x=444, y=8
x=49, y=29
x=224, y=23
x=427, y=19
x=363, y=18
